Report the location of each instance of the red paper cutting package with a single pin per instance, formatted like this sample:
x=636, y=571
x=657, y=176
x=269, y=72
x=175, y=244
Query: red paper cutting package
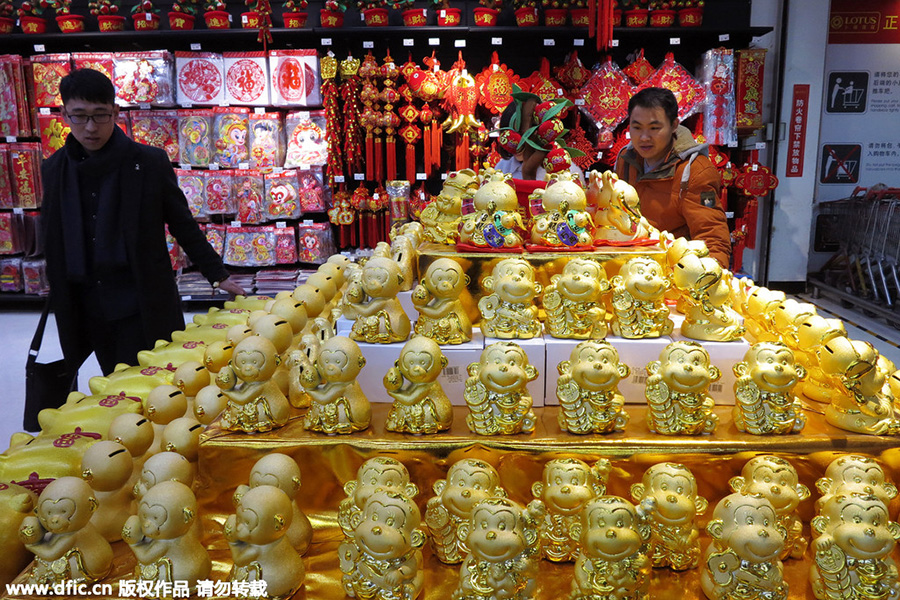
x=99, y=61
x=246, y=78
x=312, y=190
x=48, y=70
x=11, y=274
x=25, y=171
x=217, y=192
x=200, y=77
x=266, y=140
x=192, y=184
x=6, y=190
x=295, y=77
x=34, y=275
x=144, y=78
x=230, y=127
x=306, y=143
x=13, y=108
x=249, y=191
x=314, y=242
x=717, y=75
x=157, y=128
x=195, y=136
x=54, y=131
x=282, y=196
x=285, y=245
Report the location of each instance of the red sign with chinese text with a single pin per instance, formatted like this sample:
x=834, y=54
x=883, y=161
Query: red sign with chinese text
x=871, y=22
x=797, y=130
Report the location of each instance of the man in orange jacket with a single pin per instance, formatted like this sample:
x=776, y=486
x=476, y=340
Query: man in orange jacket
x=677, y=184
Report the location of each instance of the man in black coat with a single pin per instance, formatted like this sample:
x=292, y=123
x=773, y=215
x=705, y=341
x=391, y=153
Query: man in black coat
x=106, y=203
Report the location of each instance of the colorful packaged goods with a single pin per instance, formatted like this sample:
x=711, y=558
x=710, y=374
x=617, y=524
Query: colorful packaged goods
x=246, y=79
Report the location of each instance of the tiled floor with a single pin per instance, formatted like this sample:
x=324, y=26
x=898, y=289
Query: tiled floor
x=18, y=328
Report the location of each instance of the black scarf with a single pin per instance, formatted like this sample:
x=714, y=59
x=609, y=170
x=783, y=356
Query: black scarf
x=104, y=165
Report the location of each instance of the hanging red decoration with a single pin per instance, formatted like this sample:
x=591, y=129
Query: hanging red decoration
x=640, y=69
x=342, y=216
x=495, y=85
x=333, y=125
x=370, y=118
x=755, y=180
x=578, y=139
x=352, y=129
x=541, y=83
x=460, y=101
x=606, y=96
x=389, y=119
x=573, y=75
x=600, y=22
x=688, y=91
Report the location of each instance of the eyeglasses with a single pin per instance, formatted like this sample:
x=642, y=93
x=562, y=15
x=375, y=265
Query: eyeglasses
x=100, y=119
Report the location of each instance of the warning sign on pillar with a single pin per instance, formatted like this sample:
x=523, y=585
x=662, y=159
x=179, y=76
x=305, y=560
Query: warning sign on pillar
x=797, y=130
x=840, y=163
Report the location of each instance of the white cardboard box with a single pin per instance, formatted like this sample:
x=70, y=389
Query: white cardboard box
x=380, y=358
x=723, y=355
x=536, y=351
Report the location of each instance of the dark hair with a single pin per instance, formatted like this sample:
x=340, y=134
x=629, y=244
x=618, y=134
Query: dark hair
x=655, y=98
x=88, y=85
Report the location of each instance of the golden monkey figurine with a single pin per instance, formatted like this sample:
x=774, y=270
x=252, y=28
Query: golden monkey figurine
x=564, y=221
x=617, y=217
x=588, y=392
x=442, y=316
x=376, y=474
x=497, y=394
x=509, y=312
x=420, y=404
x=706, y=296
x=495, y=222
x=677, y=391
x=441, y=217
x=574, y=301
x=373, y=305
x=255, y=402
x=764, y=391
x=337, y=402
x=854, y=473
x=638, y=300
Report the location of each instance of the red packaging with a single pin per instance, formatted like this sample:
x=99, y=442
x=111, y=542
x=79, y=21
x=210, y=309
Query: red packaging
x=311, y=190
x=6, y=191
x=295, y=77
x=9, y=243
x=144, y=78
x=217, y=192
x=54, y=131
x=285, y=245
x=192, y=184
x=48, y=70
x=157, y=128
x=24, y=160
x=215, y=235
x=249, y=192
x=34, y=272
x=246, y=79
x=99, y=61
x=749, y=88
x=230, y=127
x=282, y=196
x=200, y=78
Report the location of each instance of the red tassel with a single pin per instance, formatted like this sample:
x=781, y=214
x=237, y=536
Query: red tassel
x=438, y=141
x=411, y=162
x=379, y=161
x=370, y=157
x=592, y=18
x=426, y=139
x=391, y=159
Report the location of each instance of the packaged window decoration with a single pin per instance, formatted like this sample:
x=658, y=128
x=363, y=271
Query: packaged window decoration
x=53, y=132
x=217, y=192
x=10, y=233
x=176, y=256
x=144, y=78
x=98, y=61
x=157, y=128
x=6, y=190
x=266, y=140
x=314, y=242
x=230, y=127
x=398, y=193
x=25, y=163
x=248, y=190
x=306, y=143
x=47, y=71
x=282, y=197
x=285, y=245
x=200, y=77
x=34, y=276
x=195, y=136
x=246, y=79
x=249, y=246
x=193, y=186
x=717, y=75
x=215, y=235
x=312, y=190
x=11, y=100
x=11, y=274
x=295, y=78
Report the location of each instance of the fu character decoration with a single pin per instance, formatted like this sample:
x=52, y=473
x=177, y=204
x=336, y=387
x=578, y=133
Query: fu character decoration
x=588, y=392
x=504, y=551
x=468, y=482
x=383, y=557
x=668, y=496
x=561, y=219
x=765, y=402
x=442, y=316
x=678, y=391
x=497, y=394
x=853, y=551
x=255, y=402
x=380, y=473
x=776, y=480
x=638, y=300
x=742, y=560
x=574, y=301
x=373, y=305
x=420, y=404
x=337, y=402
x=66, y=546
x=260, y=549
x=612, y=563
x=490, y=216
x=508, y=311
x=567, y=485
x=163, y=537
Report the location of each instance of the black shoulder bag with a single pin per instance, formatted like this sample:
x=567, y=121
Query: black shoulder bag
x=46, y=384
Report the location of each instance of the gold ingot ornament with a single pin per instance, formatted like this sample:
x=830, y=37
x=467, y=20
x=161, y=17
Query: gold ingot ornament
x=668, y=496
x=383, y=557
x=495, y=222
x=442, y=316
x=468, y=482
x=574, y=301
x=420, y=404
x=638, y=300
x=504, y=551
x=612, y=563
x=371, y=301
x=853, y=550
x=441, y=216
x=508, y=311
x=588, y=392
x=497, y=394
x=564, y=222
x=742, y=560
x=776, y=480
x=255, y=401
x=337, y=402
x=567, y=485
x=678, y=391
x=765, y=402
x=706, y=294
